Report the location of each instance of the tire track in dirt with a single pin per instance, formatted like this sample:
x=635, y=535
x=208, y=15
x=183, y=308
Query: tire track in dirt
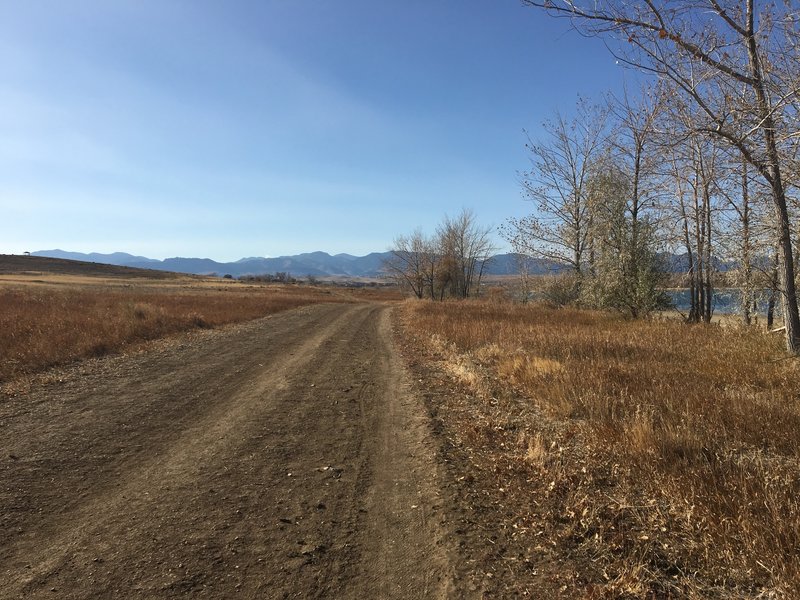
x=281, y=458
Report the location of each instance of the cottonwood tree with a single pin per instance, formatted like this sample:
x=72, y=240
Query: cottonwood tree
x=625, y=205
x=466, y=249
x=637, y=146
x=747, y=232
x=773, y=280
x=409, y=259
x=450, y=263
x=697, y=175
x=557, y=183
x=744, y=209
x=737, y=65
x=626, y=274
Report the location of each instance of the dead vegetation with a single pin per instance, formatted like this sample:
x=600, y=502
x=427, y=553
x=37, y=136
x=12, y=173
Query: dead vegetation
x=55, y=311
x=53, y=323
x=606, y=458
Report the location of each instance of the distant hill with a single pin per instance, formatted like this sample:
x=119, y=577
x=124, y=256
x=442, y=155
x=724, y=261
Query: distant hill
x=316, y=264
x=16, y=264
x=322, y=264
x=117, y=258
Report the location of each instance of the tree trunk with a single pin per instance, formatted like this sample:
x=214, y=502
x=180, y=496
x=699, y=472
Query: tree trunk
x=687, y=239
x=791, y=316
x=747, y=267
x=789, y=296
x=773, y=290
x=701, y=266
x=708, y=283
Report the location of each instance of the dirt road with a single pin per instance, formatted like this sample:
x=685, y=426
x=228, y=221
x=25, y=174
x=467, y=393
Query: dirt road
x=282, y=458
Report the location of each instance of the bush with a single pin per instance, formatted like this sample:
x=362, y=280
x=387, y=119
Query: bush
x=560, y=290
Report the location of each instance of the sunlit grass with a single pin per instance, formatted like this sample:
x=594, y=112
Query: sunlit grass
x=665, y=456
x=45, y=326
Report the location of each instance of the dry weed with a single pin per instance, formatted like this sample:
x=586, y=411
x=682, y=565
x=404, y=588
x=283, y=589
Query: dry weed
x=46, y=326
x=657, y=459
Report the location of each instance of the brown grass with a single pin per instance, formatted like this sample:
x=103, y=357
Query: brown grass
x=634, y=459
x=47, y=324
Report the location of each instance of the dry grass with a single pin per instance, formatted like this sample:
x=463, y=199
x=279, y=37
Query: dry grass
x=633, y=459
x=47, y=322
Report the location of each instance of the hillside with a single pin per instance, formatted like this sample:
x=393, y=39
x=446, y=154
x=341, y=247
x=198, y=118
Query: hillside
x=18, y=265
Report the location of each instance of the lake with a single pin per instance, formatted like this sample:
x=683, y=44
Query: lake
x=726, y=300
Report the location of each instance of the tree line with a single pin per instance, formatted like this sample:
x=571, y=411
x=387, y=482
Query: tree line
x=700, y=161
x=704, y=159
x=449, y=263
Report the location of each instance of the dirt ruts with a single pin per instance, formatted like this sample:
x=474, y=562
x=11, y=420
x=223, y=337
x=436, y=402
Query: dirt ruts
x=282, y=458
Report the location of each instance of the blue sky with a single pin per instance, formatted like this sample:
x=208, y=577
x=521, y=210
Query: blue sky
x=264, y=128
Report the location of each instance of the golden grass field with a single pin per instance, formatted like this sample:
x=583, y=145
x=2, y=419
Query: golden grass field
x=635, y=459
x=54, y=312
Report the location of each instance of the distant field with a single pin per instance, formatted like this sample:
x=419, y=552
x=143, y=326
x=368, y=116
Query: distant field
x=54, y=311
x=617, y=459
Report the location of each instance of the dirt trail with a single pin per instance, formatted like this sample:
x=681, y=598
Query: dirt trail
x=282, y=458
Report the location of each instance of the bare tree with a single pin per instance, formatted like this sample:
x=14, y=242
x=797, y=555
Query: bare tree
x=696, y=175
x=432, y=266
x=409, y=261
x=742, y=78
x=466, y=249
x=557, y=183
x=747, y=233
x=638, y=147
x=452, y=262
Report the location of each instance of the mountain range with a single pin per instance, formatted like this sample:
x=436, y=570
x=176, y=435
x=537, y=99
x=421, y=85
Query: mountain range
x=315, y=264
x=322, y=264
